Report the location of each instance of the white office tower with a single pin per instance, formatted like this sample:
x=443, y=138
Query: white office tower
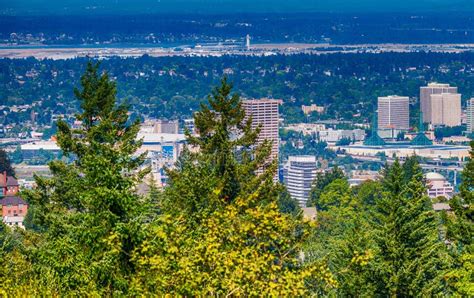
x=394, y=112
x=300, y=174
x=470, y=116
x=247, y=42
x=434, y=105
x=264, y=112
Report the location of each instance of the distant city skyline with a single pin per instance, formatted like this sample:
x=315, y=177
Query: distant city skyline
x=227, y=6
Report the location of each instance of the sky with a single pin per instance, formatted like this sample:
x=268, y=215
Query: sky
x=227, y=6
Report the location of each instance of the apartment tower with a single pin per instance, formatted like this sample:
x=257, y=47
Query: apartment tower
x=264, y=112
x=300, y=173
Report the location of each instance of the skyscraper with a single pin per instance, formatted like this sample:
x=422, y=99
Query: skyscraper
x=264, y=112
x=431, y=112
x=446, y=109
x=300, y=173
x=394, y=112
x=470, y=116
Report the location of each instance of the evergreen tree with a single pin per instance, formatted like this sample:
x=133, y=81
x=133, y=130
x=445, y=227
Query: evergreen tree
x=222, y=232
x=321, y=181
x=5, y=164
x=460, y=232
x=408, y=167
x=411, y=258
x=228, y=158
x=87, y=213
x=344, y=237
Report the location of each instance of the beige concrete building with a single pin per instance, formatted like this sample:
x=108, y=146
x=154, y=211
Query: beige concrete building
x=446, y=109
x=264, y=112
x=312, y=108
x=165, y=126
x=160, y=126
x=432, y=110
x=404, y=150
x=394, y=112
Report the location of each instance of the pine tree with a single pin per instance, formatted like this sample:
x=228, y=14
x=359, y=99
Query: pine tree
x=412, y=258
x=228, y=158
x=344, y=237
x=87, y=213
x=221, y=232
x=460, y=233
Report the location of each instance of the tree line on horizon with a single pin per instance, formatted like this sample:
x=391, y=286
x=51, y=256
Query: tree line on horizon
x=173, y=87
x=220, y=229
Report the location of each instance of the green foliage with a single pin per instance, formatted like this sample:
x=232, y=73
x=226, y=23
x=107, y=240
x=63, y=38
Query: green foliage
x=5, y=164
x=344, y=142
x=222, y=226
x=87, y=216
x=286, y=204
x=460, y=232
x=228, y=158
x=445, y=132
x=412, y=257
x=310, y=146
x=222, y=231
x=321, y=181
x=17, y=156
x=382, y=238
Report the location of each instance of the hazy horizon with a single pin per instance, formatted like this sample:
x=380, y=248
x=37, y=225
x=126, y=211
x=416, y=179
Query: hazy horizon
x=42, y=7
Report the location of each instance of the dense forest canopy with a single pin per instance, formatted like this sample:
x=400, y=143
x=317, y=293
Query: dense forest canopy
x=347, y=84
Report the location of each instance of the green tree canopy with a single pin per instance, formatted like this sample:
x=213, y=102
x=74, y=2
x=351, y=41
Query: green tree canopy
x=87, y=215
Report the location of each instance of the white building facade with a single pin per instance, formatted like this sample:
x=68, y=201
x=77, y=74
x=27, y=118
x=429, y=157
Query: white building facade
x=300, y=174
x=470, y=116
x=438, y=186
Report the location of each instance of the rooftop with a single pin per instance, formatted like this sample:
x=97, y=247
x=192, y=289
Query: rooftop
x=434, y=176
x=11, y=181
x=12, y=201
x=152, y=138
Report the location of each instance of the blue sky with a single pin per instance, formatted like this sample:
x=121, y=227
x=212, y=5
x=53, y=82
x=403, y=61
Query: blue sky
x=219, y=6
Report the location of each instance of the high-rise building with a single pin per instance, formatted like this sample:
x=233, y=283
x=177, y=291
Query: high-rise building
x=264, y=112
x=429, y=109
x=446, y=109
x=300, y=173
x=470, y=116
x=394, y=112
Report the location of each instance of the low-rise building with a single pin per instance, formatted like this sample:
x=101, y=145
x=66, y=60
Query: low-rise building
x=358, y=177
x=312, y=108
x=306, y=128
x=333, y=136
x=13, y=206
x=403, y=150
x=438, y=186
x=8, y=185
